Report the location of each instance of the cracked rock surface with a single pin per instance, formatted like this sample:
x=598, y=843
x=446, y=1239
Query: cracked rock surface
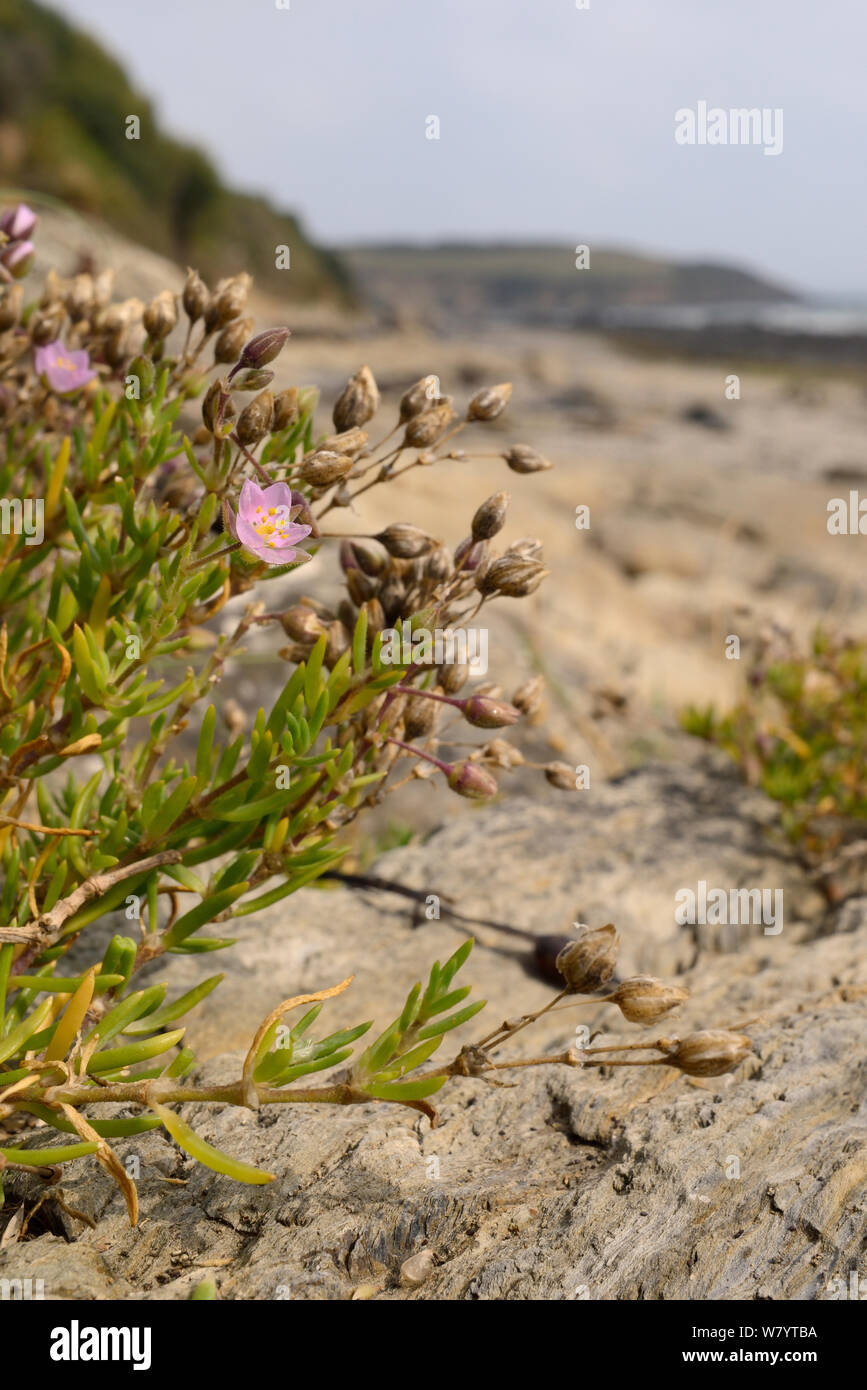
x=599, y=1184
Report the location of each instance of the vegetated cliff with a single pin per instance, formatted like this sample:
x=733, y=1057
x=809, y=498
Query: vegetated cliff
x=64, y=104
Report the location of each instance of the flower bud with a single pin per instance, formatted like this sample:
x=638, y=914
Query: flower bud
x=195, y=296
x=490, y=517
x=358, y=402
x=18, y=222
x=522, y=459
x=161, y=315
x=404, y=541
x=263, y=348
x=588, y=961
x=644, y=999
x=490, y=402
x=18, y=258
x=485, y=713
x=468, y=555
x=528, y=697
x=285, y=409
x=709, y=1053
x=468, y=779
x=230, y=343
x=254, y=422
x=423, y=429
x=560, y=775
x=417, y=398
x=143, y=368
x=323, y=468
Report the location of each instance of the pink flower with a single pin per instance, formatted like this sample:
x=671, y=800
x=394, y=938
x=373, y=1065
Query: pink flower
x=265, y=524
x=63, y=371
x=18, y=223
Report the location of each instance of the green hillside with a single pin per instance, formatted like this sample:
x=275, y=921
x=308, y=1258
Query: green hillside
x=64, y=103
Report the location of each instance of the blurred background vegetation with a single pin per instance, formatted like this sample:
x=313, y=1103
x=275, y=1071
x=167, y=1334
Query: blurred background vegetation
x=64, y=105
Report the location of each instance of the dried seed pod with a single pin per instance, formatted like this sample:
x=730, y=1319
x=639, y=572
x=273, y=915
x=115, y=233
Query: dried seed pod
x=369, y=557
x=375, y=617
x=80, y=298
x=560, y=775
x=357, y=403
x=161, y=315
x=425, y=429
x=490, y=517
x=418, y=398
x=528, y=697
x=102, y=287
x=502, y=754
x=405, y=541
x=116, y=318
x=255, y=379
x=438, y=565
x=490, y=402
x=528, y=547
x=302, y=624
x=588, y=961
x=349, y=442
x=45, y=324
x=324, y=468
x=468, y=779
x=254, y=422
x=211, y=404
x=286, y=410
x=522, y=459
x=230, y=343
x=484, y=713
x=195, y=296
x=421, y=717
x=709, y=1053
x=453, y=678
x=511, y=576
x=644, y=999
x=360, y=586
x=392, y=596
x=337, y=642
x=10, y=307
x=230, y=300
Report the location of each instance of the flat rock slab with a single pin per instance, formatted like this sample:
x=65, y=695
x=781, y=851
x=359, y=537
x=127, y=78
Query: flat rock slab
x=630, y=1183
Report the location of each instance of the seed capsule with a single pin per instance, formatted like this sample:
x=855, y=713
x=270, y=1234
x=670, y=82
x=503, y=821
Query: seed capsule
x=161, y=315
x=405, y=541
x=230, y=343
x=254, y=422
x=301, y=624
x=588, y=961
x=522, y=459
x=709, y=1053
x=490, y=402
x=10, y=307
x=324, y=468
x=644, y=999
x=417, y=398
x=358, y=402
x=285, y=409
x=195, y=296
x=560, y=775
x=528, y=697
x=349, y=442
x=511, y=576
x=490, y=517
x=423, y=429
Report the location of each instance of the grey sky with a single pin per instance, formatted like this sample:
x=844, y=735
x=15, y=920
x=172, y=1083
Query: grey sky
x=556, y=123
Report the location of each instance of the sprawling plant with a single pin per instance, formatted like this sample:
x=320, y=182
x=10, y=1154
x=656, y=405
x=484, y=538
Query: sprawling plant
x=800, y=732
x=130, y=517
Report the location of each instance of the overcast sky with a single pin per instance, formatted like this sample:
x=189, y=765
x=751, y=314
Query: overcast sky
x=556, y=123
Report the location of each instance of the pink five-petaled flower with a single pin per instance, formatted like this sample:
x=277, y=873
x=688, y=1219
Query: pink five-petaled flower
x=63, y=371
x=265, y=524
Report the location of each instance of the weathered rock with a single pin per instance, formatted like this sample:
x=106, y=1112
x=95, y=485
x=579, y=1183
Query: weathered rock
x=600, y=1184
